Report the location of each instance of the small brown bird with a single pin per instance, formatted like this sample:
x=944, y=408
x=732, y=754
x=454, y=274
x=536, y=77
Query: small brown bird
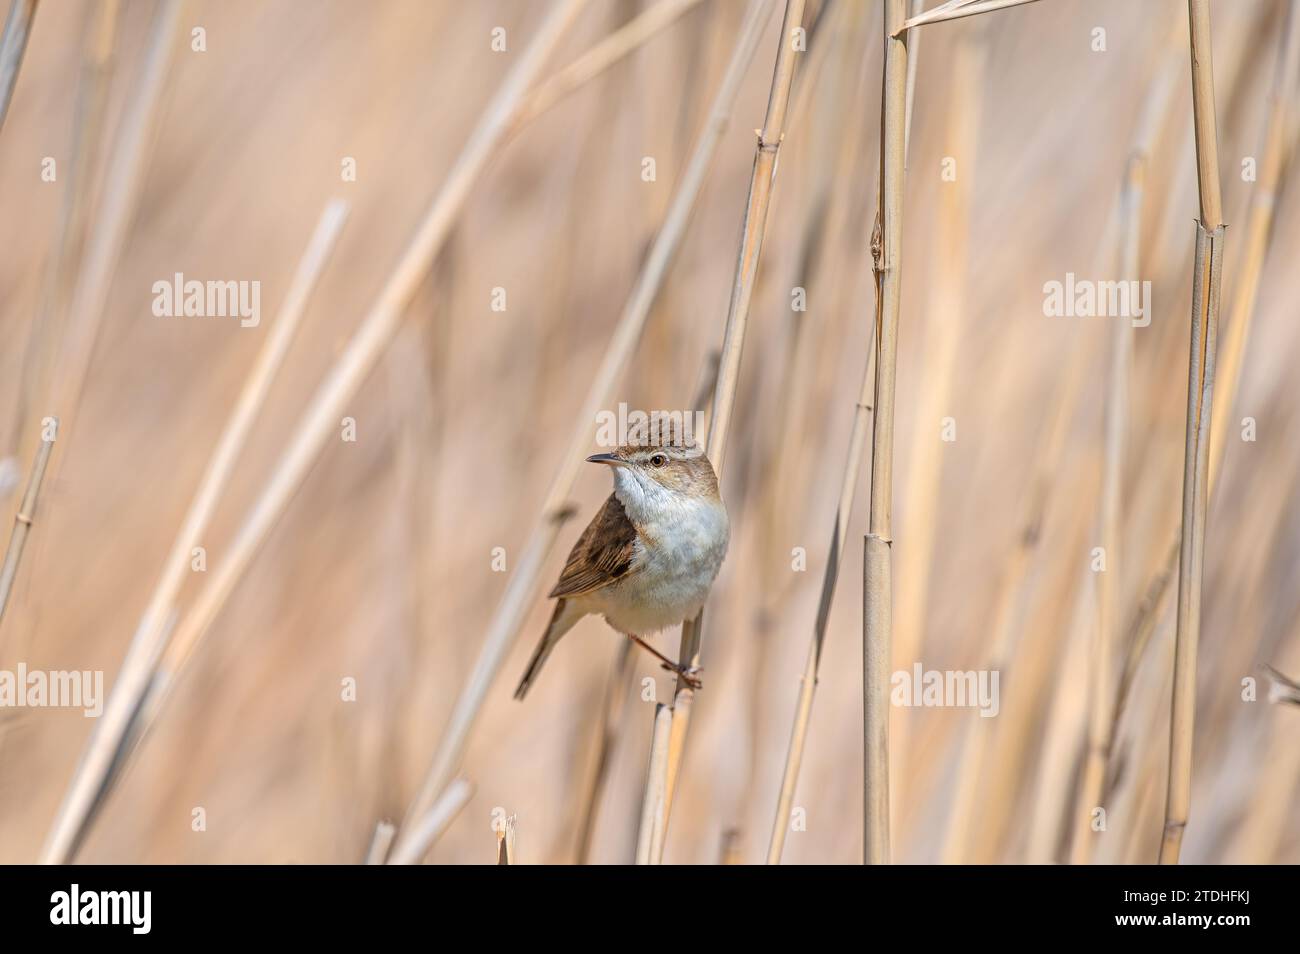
x=649, y=557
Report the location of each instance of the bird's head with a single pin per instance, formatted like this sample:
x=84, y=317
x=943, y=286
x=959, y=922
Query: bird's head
x=653, y=472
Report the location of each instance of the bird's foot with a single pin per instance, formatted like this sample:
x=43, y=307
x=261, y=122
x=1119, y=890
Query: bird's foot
x=688, y=674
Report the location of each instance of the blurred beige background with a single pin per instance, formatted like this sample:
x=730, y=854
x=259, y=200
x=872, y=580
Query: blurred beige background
x=381, y=569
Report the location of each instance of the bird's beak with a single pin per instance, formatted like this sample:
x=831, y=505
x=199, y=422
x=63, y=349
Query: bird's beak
x=611, y=459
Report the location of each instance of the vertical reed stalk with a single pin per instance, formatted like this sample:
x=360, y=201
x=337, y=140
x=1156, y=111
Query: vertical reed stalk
x=522, y=586
x=506, y=841
x=1278, y=140
x=1200, y=393
x=876, y=582
x=914, y=9
x=844, y=512
x=650, y=834
x=836, y=32
x=615, y=702
x=761, y=181
x=824, y=227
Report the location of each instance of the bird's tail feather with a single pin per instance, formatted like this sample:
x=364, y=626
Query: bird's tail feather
x=562, y=620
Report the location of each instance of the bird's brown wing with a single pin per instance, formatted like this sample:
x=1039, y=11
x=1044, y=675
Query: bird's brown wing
x=602, y=555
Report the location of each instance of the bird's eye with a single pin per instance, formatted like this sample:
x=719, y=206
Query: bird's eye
x=658, y=460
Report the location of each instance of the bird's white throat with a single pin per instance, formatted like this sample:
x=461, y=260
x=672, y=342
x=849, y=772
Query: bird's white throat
x=651, y=505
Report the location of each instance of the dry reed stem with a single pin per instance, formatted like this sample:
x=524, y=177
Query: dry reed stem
x=380, y=842
x=1275, y=146
x=653, y=819
x=13, y=44
x=915, y=9
x=1200, y=392
x=123, y=176
x=87, y=135
x=816, y=270
x=425, y=830
x=1137, y=806
x=1203, y=115
x=955, y=10
x=136, y=673
x=506, y=841
x=876, y=582
x=1241, y=740
x=761, y=180
x=626, y=39
x=760, y=194
x=683, y=703
x=830, y=576
x=837, y=31
x=1138, y=809
x=1277, y=143
x=614, y=707
x=521, y=588
x=23, y=521
x=1066, y=734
